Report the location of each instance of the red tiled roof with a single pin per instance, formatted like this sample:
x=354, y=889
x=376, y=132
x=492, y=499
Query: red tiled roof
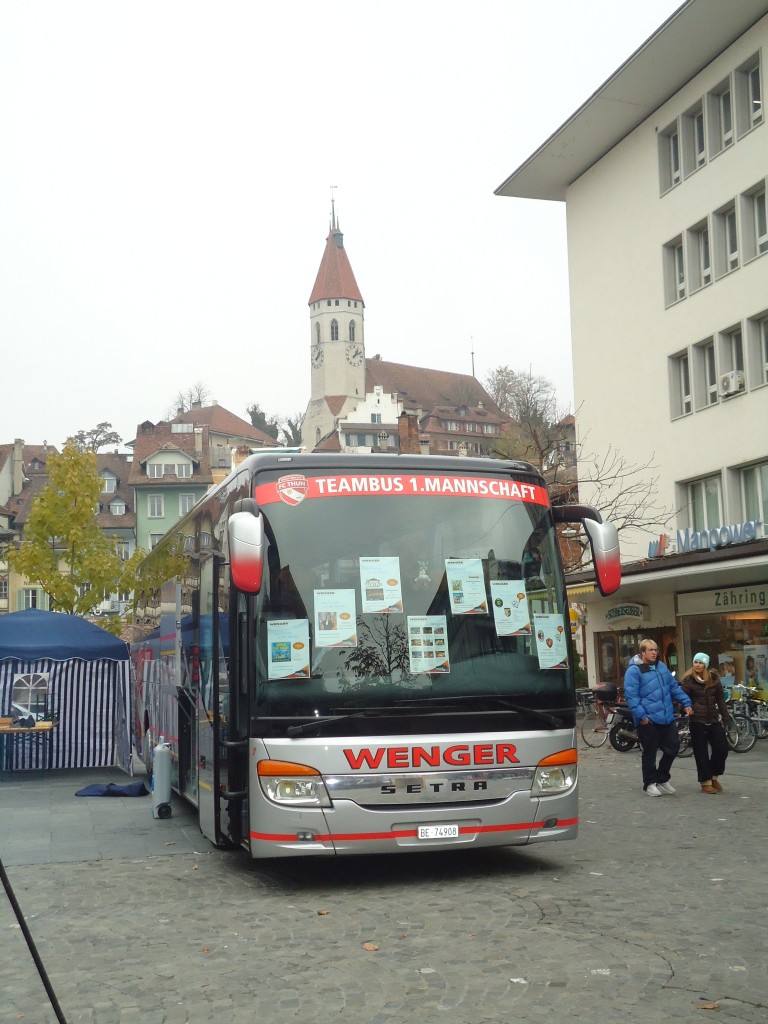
x=221, y=421
x=150, y=439
x=335, y=403
x=335, y=279
x=427, y=389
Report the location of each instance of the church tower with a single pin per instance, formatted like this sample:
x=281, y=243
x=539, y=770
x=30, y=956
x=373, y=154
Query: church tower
x=337, y=341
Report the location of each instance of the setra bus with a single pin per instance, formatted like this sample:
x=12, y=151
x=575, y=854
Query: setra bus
x=367, y=653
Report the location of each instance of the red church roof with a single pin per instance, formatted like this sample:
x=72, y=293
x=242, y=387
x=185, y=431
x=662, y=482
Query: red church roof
x=335, y=279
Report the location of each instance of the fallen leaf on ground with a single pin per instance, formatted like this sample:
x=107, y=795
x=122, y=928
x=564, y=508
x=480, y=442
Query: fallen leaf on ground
x=708, y=1006
x=169, y=844
x=370, y=946
x=323, y=913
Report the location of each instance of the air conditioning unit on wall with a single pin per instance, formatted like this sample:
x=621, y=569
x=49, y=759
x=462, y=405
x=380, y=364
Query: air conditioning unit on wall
x=732, y=383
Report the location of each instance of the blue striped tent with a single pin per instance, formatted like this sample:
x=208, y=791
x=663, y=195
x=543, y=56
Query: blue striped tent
x=78, y=673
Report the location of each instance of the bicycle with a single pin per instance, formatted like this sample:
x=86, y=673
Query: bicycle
x=599, y=717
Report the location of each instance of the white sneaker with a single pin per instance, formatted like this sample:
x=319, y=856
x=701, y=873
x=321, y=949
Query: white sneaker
x=666, y=787
x=653, y=790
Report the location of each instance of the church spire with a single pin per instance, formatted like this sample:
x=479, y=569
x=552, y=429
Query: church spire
x=335, y=279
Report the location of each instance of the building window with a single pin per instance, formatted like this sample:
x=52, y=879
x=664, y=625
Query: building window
x=674, y=271
x=30, y=598
x=154, y=540
x=727, y=240
x=117, y=508
x=757, y=350
x=123, y=550
x=705, y=383
x=334, y=330
x=186, y=501
x=754, y=222
x=669, y=157
x=155, y=506
x=351, y=330
x=317, y=333
x=3, y=590
x=693, y=139
x=184, y=470
x=754, y=492
x=375, y=417
x=705, y=503
x=682, y=401
x=154, y=470
x=450, y=425
x=731, y=363
x=749, y=98
x=698, y=256
x=720, y=118
x=108, y=484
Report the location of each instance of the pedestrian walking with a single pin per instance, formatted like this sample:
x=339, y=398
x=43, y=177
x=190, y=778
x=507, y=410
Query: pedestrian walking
x=710, y=747
x=650, y=691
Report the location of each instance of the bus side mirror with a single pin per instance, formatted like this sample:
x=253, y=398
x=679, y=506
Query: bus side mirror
x=246, y=550
x=604, y=542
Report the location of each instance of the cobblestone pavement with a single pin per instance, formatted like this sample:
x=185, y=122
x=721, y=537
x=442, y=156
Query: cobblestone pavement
x=656, y=913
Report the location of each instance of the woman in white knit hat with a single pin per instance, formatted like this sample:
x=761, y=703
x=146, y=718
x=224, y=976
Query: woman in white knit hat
x=710, y=747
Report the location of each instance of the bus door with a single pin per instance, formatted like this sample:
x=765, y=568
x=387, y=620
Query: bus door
x=208, y=704
x=235, y=730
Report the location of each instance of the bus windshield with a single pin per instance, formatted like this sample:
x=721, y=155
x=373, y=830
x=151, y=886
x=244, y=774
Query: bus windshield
x=426, y=594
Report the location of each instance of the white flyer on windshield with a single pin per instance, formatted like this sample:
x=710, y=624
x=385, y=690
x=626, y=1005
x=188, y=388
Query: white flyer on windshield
x=551, y=646
x=466, y=586
x=510, y=608
x=380, y=584
x=288, y=649
x=335, y=618
x=428, y=643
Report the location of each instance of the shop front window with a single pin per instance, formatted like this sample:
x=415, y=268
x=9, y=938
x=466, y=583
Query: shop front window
x=735, y=639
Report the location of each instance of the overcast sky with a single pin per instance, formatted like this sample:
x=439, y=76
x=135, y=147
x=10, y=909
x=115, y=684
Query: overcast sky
x=165, y=179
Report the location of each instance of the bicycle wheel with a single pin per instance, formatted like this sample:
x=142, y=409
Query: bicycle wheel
x=740, y=734
x=684, y=731
x=594, y=731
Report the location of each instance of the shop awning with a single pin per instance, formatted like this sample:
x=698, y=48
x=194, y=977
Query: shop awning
x=580, y=588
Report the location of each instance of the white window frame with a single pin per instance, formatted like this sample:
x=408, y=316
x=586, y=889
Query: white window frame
x=749, y=96
x=760, y=215
x=184, y=470
x=155, y=506
x=754, y=491
x=154, y=540
x=720, y=118
x=673, y=262
x=682, y=394
x=154, y=470
x=186, y=502
x=702, y=494
x=108, y=484
x=117, y=508
x=726, y=241
x=705, y=379
x=670, y=167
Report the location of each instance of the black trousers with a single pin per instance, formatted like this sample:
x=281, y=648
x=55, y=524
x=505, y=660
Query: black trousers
x=710, y=749
x=655, y=738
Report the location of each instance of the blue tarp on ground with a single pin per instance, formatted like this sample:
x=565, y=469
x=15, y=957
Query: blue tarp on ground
x=33, y=634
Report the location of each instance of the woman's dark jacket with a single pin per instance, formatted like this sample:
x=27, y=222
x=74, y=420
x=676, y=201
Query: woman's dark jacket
x=707, y=697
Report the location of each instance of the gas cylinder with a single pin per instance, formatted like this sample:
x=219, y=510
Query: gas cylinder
x=161, y=781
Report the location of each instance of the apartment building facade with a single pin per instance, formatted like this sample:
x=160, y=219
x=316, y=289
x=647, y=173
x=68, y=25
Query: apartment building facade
x=663, y=173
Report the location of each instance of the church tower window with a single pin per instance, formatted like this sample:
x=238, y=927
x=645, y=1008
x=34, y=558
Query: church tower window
x=334, y=330
x=317, y=333
x=351, y=330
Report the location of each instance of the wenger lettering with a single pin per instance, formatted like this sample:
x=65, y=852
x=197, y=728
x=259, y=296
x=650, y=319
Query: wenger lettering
x=459, y=755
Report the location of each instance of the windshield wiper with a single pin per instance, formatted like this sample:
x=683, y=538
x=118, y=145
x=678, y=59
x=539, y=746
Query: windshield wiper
x=305, y=727
x=507, y=705
x=426, y=704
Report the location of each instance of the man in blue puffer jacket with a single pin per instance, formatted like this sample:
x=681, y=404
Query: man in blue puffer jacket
x=650, y=690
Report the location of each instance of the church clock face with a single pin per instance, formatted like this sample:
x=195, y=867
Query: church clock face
x=317, y=355
x=354, y=355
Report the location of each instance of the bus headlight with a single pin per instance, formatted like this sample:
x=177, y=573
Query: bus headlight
x=556, y=774
x=292, y=785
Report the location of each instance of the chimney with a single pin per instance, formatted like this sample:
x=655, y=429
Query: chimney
x=408, y=429
x=198, y=440
x=18, y=465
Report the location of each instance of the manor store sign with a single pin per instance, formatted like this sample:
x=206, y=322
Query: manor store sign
x=718, y=536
